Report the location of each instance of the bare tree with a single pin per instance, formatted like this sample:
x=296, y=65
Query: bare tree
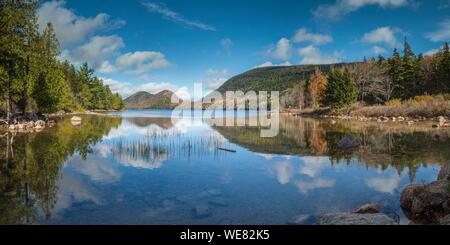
x=371, y=79
x=382, y=86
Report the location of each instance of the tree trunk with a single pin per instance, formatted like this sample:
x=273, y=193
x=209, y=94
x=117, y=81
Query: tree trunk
x=8, y=106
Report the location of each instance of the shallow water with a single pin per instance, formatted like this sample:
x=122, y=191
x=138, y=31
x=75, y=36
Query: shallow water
x=141, y=167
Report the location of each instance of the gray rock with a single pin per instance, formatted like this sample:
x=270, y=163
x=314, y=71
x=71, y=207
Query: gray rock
x=371, y=208
x=39, y=124
x=444, y=174
x=441, y=121
x=355, y=219
x=445, y=220
x=426, y=204
x=349, y=142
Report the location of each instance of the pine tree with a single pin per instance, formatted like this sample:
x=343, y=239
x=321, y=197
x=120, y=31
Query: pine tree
x=443, y=69
x=411, y=78
x=395, y=72
x=341, y=89
x=51, y=91
x=17, y=20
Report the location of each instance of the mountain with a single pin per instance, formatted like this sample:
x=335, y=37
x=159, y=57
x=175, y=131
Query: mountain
x=277, y=78
x=144, y=100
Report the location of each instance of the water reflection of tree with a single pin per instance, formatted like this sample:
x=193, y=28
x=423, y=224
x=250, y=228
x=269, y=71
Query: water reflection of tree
x=402, y=147
x=30, y=166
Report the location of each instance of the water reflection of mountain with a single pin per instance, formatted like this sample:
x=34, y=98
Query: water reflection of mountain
x=30, y=165
x=143, y=122
x=398, y=146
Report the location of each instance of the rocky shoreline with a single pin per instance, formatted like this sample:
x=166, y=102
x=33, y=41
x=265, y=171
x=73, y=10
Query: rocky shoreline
x=438, y=122
x=31, y=122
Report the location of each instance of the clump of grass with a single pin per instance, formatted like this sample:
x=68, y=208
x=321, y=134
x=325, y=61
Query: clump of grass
x=420, y=106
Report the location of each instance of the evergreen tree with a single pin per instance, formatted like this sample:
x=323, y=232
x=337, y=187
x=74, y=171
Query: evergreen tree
x=442, y=72
x=17, y=20
x=51, y=91
x=395, y=72
x=411, y=77
x=341, y=89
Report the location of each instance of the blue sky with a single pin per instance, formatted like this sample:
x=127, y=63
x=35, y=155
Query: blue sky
x=170, y=44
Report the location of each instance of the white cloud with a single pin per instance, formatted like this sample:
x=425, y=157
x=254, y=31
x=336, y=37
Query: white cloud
x=226, y=44
x=71, y=29
x=282, y=51
x=215, y=78
x=269, y=64
x=96, y=51
x=313, y=56
x=442, y=34
x=377, y=50
x=303, y=35
x=142, y=61
x=106, y=68
x=126, y=89
x=177, y=17
x=385, y=184
x=384, y=35
x=432, y=52
x=343, y=7
x=306, y=186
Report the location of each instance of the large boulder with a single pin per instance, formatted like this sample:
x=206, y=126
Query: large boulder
x=355, y=219
x=426, y=204
x=349, y=142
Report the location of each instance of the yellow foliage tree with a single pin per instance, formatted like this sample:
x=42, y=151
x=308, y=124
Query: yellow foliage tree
x=316, y=88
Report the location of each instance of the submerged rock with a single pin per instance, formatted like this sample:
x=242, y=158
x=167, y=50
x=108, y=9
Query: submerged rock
x=303, y=219
x=349, y=142
x=355, y=219
x=218, y=201
x=76, y=121
x=202, y=211
x=371, y=208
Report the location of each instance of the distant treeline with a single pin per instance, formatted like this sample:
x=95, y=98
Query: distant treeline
x=379, y=80
x=32, y=78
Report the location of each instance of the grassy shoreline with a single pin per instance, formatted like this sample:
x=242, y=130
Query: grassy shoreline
x=421, y=108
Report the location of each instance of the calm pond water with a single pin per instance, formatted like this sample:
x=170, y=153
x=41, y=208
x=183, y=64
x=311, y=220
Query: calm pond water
x=140, y=167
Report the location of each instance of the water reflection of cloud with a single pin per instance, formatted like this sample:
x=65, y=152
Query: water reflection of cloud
x=96, y=168
x=72, y=189
x=157, y=161
x=266, y=156
x=306, y=186
x=385, y=184
x=313, y=166
x=284, y=171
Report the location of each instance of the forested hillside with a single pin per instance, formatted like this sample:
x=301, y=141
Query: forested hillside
x=279, y=78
